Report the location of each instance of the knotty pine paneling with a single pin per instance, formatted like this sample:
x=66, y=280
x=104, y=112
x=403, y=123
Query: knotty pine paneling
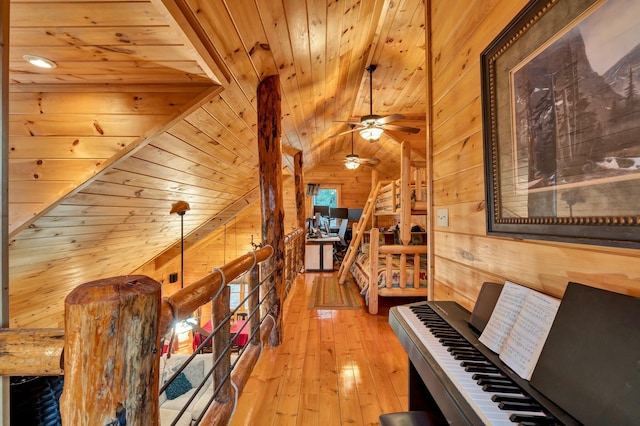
x=460, y=125
x=459, y=157
x=464, y=256
x=468, y=218
x=462, y=284
x=544, y=266
x=57, y=143
x=465, y=186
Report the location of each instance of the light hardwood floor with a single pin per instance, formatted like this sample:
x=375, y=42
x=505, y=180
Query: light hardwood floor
x=334, y=367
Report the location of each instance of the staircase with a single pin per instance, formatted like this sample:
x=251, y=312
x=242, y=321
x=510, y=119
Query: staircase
x=358, y=231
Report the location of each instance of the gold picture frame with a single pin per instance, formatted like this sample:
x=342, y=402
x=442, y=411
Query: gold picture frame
x=561, y=119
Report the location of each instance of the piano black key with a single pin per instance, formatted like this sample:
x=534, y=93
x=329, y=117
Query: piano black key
x=478, y=376
x=447, y=335
x=470, y=350
x=453, y=343
x=467, y=357
x=439, y=327
x=533, y=419
x=451, y=338
x=478, y=355
x=511, y=398
x=519, y=406
x=495, y=381
x=481, y=369
x=481, y=363
x=443, y=335
x=502, y=388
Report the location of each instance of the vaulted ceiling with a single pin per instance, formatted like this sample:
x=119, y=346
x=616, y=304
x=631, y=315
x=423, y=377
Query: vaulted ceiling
x=154, y=101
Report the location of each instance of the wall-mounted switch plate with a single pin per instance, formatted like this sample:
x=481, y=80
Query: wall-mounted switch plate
x=173, y=277
x=442, y=217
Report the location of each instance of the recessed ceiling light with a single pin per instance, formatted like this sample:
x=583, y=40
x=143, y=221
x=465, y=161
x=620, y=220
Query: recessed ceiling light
x=39, y=61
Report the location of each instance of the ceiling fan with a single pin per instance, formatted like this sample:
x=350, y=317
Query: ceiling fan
x=372, y=126
x=353, y=161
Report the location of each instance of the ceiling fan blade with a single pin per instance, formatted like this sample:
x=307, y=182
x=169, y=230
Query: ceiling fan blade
x=369, y=161
x=389, y=118
x=347, y=121
x=343, y=133
x=401, y=128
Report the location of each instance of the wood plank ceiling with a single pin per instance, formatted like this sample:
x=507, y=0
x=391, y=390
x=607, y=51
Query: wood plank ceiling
x=154, y=101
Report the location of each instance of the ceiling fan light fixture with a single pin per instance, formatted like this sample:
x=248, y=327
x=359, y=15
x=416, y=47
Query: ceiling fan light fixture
x=371, y=134
x=352, y=162
x=40, y=61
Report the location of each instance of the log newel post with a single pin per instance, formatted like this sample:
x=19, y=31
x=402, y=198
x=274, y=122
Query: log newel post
x=270, y=161
x=111, y=352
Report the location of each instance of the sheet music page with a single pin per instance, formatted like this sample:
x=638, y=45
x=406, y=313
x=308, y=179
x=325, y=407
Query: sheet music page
x=524, y=344
x=504, y=315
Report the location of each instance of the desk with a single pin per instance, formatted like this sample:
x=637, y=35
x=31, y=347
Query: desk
x=318, y=253
x=238, y=326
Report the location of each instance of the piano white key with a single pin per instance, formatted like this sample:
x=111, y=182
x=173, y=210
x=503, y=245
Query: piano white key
x=480, y=400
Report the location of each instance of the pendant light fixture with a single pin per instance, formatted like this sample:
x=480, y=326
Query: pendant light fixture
x=181, y=207
x=353, y=160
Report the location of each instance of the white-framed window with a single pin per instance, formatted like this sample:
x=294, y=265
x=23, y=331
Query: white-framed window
x=237, y=293
x=328, y=197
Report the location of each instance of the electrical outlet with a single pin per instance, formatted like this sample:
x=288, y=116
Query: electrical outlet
x=173, y=277
x=442, y=217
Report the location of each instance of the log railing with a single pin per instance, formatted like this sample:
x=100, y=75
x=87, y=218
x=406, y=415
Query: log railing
x=389, y=252
x=111, y=342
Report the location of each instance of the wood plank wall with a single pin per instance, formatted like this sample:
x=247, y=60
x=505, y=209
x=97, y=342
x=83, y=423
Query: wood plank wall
x=464, y=255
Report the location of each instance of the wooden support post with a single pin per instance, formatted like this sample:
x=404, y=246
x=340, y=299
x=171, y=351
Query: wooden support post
x=299, y=178
x=300, y=193
x=375, y=178
x=405, y=194
x=270, y=161
x=4, y=193
x=220, y=308
x=374, y=243
x=110, y=353
x=254, y=300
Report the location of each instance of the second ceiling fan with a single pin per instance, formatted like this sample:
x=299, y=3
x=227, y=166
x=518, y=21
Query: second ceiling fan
x=353, y=161
x=372, y=126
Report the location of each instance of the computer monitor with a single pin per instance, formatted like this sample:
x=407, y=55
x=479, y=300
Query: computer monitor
x=339, y=213
x=354, y=214
x=323, y=210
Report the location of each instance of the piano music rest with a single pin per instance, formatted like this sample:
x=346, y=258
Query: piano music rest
x=409, y=418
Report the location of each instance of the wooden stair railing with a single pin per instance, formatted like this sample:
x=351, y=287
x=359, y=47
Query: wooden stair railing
x=357, y=232
x=110, y=344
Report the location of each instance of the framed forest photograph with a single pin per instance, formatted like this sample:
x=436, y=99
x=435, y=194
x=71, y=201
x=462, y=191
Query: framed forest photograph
x=561, y=120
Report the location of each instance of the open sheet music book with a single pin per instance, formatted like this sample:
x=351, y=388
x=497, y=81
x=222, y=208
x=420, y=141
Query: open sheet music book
x=519, y=326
